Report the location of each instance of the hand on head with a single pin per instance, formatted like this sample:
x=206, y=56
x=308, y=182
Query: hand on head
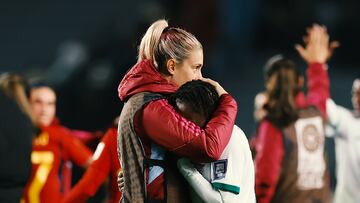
x=219, y=89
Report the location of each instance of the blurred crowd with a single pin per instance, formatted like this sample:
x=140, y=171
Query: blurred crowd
x=177, y=139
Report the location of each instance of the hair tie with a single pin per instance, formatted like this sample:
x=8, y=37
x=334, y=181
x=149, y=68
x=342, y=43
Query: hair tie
x=166, y=29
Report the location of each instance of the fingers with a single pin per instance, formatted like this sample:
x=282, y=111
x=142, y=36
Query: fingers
x=317, y=46
x=301, y=50
x=334, y=44
x=306, y=39
x=121, y=187
x=208, y=80
x=324, y=37
x=315, y=33
x=120, y=181
x=219, y=89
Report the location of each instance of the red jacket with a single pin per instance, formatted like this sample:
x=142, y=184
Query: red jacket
x=158, y=122
x=89, y=139
x=106, y=163
x=269, y=143
x=48, y=150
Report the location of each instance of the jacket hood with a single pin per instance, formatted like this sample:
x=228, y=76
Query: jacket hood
x=143, y=77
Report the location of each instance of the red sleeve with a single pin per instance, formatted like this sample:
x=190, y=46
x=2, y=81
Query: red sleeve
x=270, y=152
x=167, y=128
x=318, y=86
x=76, y=150
x=94, y=176
x=87, y=137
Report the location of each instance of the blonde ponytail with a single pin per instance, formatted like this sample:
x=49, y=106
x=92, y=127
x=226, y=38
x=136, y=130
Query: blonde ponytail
x=160, y=45
x=150, y=41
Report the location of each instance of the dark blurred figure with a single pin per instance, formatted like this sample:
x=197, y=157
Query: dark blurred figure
x=16, y=131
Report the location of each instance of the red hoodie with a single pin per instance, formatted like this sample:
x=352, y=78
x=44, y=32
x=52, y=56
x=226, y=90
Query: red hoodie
x=158, y=122
x=106, y=163
x=49, y=149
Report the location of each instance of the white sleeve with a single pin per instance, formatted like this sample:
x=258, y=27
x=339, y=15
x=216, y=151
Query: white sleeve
x=330, y=131
x=337, y=115
x=200, y=185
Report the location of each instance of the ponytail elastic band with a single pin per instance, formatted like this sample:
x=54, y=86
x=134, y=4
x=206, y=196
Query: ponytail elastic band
x=166, y=29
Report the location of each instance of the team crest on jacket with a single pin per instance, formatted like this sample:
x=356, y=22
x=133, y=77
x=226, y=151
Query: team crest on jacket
x=311, y=164
x=312, y=138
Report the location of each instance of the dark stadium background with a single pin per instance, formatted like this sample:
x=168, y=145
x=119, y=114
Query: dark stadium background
x=83, y=48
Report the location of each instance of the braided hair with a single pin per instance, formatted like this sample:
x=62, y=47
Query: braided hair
x=199, y=96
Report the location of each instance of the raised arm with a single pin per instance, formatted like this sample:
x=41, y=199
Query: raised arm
x=97, y=172
x=316, y=52
x=78, y=152
x=318, y=86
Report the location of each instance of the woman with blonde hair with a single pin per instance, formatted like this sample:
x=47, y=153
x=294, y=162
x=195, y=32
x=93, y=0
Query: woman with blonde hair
x=150, y=128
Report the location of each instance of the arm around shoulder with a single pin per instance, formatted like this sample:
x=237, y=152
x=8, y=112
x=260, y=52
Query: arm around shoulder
x=175, y=133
